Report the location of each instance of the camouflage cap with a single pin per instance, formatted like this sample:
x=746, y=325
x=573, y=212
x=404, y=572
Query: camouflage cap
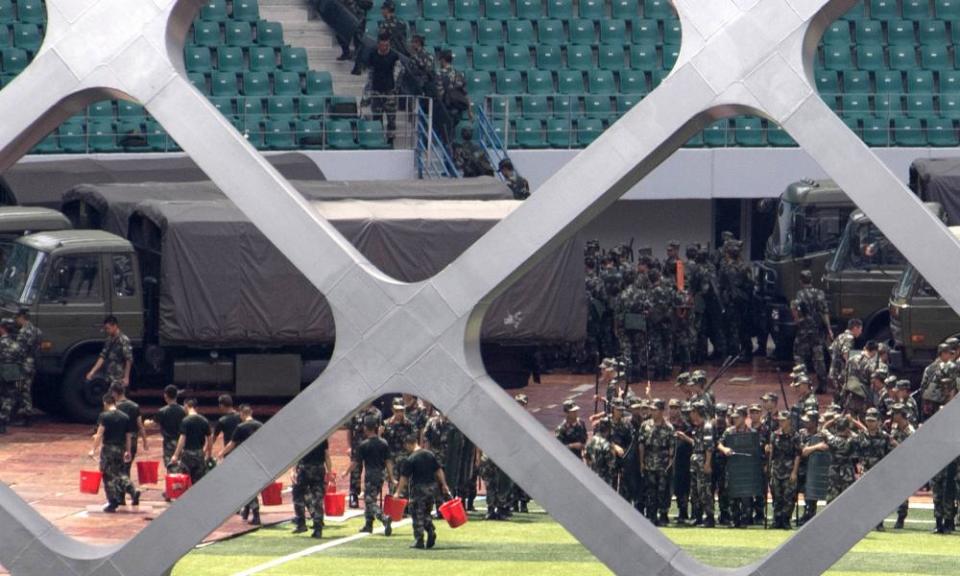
x=398, y=404
x=658, y=404
x=801, y=380
x=835, y=407
x=872, y=414
x=770, y=397
x=608, y=363
x=898, y=407
x=811, y=416
x=686, y=407
x=806, y=275
x=521, y=399
x=618, y=404
x=698, y=377
x=683, y=379
x=700, y=406
x=880, y=374
x=755, y=408
x=783, y=415
x=905, y=384
x=944, y=347
x=637, y=404
x=8, y=323
x=798, y=369
x=890, y=381
x=953, y=342
x=740, y=411
x=570, y=406
x=721, y=408
x=673, y=403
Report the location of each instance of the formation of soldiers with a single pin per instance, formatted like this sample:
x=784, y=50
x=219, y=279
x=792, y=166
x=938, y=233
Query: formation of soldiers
x=19, y=344
x=658, y=315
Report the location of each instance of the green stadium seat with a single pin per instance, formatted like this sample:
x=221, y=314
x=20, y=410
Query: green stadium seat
x=856, y=81
x=888, y=82
x=489, y=32
x=246, y=10
x=459, y=33
x=562, y=9
x=509, y=82
x=131, y=111
x=436, y=9
x=196, y=58
x=516, y=57
x=459, y=55
x=717, y=134
x=626, y=9
x=102, y=109
x=407, y=10
x=309, y=133
x=920, y=106
x=281, y=107
x=230, y=59
x=884, y=9
x=833, y=102
x=551, y=32
x=854, y=125
x=582, y=32
x=778, y=137
x=340, y=135
x=549, y=57
x=919, y=82
x=949, y=81
x=294, y=59
x=157, y=138
x=671, y=52
x=827, y=81
x=947, y=9
x=431, y=32
x=319, y=82
x=657, y=76
x=520, y=32
x=206, y=33
x=486, y=58
x=633, y=82
x=627, y=101
x=591, y=10
x=933, y=33
x=941, y=132
x=748, y=132
x=613, y=31
x=588, y=130
x=199, y=80
x=223, y=83
x=696, y=141
x=529, y=9
x=102, y=136
x=497, y=9
x=612, y=57
x=256, y=83
x=644, y=57
x=856, y=13
x=49, y=145
x=903, y=57
x=465, y=9
x=540, y=82
x=869, y=32
x=901, y=32
x=915, y=9
x=505, y=134
x=263, y=59
x=950, y=106
x=224, y=105
x=837, y=58
x=214, y=10
x=535, y=106
x=269, y=34
x=658, y=10
x=908, y=132
x=570, y=82
x=504, y=106
x=559, y=132
x=311, y=106
x=342, y=106
x=478, y=83
x=252, y=128
x=370, y=135
x=869, y=57
x=598, y=105
x=645, y=32
x=286, y=83
x=855, y=105
x=837, y=34
x=601, y=82
x=27, y=36
x=72, y=136
x=279, y=135
x=251, y=106
x=8, y=14
x=579, y=57
x=239, y=34
x=530, y=133
x=672, y=34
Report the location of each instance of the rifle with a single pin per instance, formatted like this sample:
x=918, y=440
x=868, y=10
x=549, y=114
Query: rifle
x=730, y=361
x=783, y=391
x=596, y=383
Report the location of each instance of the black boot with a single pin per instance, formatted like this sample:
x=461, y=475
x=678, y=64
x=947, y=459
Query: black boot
x=949, y=526
x=387, y=526
x=300, y=526
x=354, y=501
x=470, y=507
x=245, y=513
x=317, y=531
x=523, y=508
x=492, y=515
x=368, y=526
x=709, y=522
x=111, y=507
x=939, y=528
x=135, y=498
x=3, y=427
x=419, y=544
x=431, y=539
x=880, y=527
x=900, y=519
x=255, y=519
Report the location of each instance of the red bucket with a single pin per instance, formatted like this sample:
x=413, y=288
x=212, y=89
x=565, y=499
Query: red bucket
x=334, y=504
x=90, y=481
x=148, y=471
x=394, y=507
x=273, y=494
x=453, y=512
x=177, y=484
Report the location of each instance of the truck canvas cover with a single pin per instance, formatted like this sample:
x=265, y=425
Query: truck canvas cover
x=938, y=180
x=223, y=283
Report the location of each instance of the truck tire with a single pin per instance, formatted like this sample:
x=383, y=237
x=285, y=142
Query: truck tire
x=509, y=366
x=80, y=399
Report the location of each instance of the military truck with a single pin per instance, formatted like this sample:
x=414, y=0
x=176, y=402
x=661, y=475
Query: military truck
x=211, y=305
x=811, y=216
x=15, y=221
x=919, y=319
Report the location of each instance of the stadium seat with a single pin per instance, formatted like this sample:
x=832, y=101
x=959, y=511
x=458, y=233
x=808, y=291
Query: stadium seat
x=281, y=107
x=72, y=136
x=645, y=32
x=933, y=33
x=516, y=57
x=658, y=10
x=100, y=110
x=633, y=82
x=778, y=137
x=371, y=136
x=436, y=9
x=716, y=135
x=311, y=106
x=627, y=101
x=748, y=132
x=876, y=131
x=131, y=111
x=626, y=9
x=588, y=130
x=884, y=9
x=591, y=10
x=919, y=82
x=251, y=106
x=657, y=76
x=293, y=59
x=837, y=58
x=612, y=57
x=407, y=10
x=8, y=14
x=559, y=132
x=869, y=32
x=837, y=34
x=613, y=31
x=869, y=57
x=901, y=32
x=286, y=83
x=340, y=135
x=263, y=59
x=239, y=34
x=562, y=9
x=535, y=106
x=214, y=10
x=478, y=83
x=856, y=81
x=199, y=81
x=27, y=36
x=459, y=55
x=579, y=57
x=489, y=32
x=855, y=105
x=206, y=33
x=833, y=102
x=920, y=106
x=431, y=32
x=319, y=82
x=570, y=82
x=252, y=127
x=520, y=32
x=497, y=9
x=949, y=81
x=256, y=84
x=49, y=145
x=540, y=82
x=551, y=32
x=459, y=33
x=529, y=9
x=671, y=52
x=224, y=105
x=950, y=106
x=601, y=82
x=598, y=105
x=279, y=135
x=230, y=59
x=941, y=132
x=196, y=58
x=223, y=84
x=102, y=136
x=908, y=132
x=509, y=82
x=582, y=32
x=947, y=9
x=246, y=10
x=270, y=33
x=502, y=106
x=903, y=57
x=309, y=133
x=486, y=58
x=567, y=105
x=549, y=57
x=827, y=82
x=854, y=125
x=889, y=82
x=464, y=9
x=915, y=9
x=644, y=57
x=672, y=34
x=157, y=139
x=530, y=133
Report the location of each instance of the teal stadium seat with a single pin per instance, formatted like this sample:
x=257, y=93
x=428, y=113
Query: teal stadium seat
x=591, y=9
x=246, y=10
x=855, y=105
x=559, y=132
x=459, y=55
x=550, y=31
x=915, y=9
x=633, y=82
x=489, y=32
x=535, y=106
x=837, y=34
x=199, y=80
x=371, y=136
x=251, y=106
x=562, y=9
x=827, y=81
x=407, y=10
x=340, y=135
x=540, y=82
x=949, y=81
x=583, y=32
x=884, y=9
x=941, y=132
x=286, y=83
x=311, y=106
x=854, y=125
x=131, y=111
x=870, y=57
x=903, y=57
x=748, y=132
x=644, y=57
x=516, y=57
x=502, y=106
x=520, y=32
x=869, y=32
x=223, y=83
x=8, y=13
x=230, y=59
x=627, y=101
x=293, y=59
x=920, y=82
x=478, y=83
x=102, y=109
x=671, y=52
x=319, y=82
x=947, y=9
x=837, y=58
x=908, y=132
x=238, y=34
x=950, y=106
x=431, y=31
x=157, y=139
x=570, y=82
x=279, y=135
x=256, y=83
x=626, y=9
x=778, y=137
x=497, y=9
x=933, y=33
x=224, y=105
x=901, y=32
x=281, y=107
x=465, y=9
x=72, y=136
x=214, y=10
x=613, y=31
x=270, y=33
x=920, y=106
x=196, y=58
x=645, y=32
x=611, y=57
x=658, y=10
x=509, y=82
x=486, y=58
x=672, y=34
x=49, y=145
x=889, y=82
x=588, y=130
x=206, y=33
x=579, y=57
x=598, y=105
x=436, y=9
x=102, y=137
x=549, y=57
x=529, y=9
x=459, y=33
x=601, y=82
x=717, y=135
x=309, y=133
x=27, y=36
x=876, y=131
x=263, y=59
x=856, y=81
x=530, y=133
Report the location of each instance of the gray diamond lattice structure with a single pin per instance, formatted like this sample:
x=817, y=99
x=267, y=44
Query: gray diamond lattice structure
x=738, y=56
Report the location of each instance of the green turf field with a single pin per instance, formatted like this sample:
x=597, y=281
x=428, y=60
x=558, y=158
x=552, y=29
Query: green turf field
x=534, y=545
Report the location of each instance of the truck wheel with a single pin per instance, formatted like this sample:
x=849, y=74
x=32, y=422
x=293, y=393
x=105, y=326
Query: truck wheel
x=82, y=400
x=509, y=366
x=883, y=336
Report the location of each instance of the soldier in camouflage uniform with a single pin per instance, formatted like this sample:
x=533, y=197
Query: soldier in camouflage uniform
x=28, y=338
x=902, y=391
x=810, y=312
x=719, y=478
x=117, y=355
x=611, y=279
x=632, y=309
x=420, y=71
x=736, y=289
x=680, y=481
x=357, y=436
x=593, y=286
x=713, y=313
x=860, y=368
x=436, y=436
x=113, y=440
x=740, y=508
x=373, y=457
x=900, y=430
x=470, y=159
x=309, y=487
x=417, y=412
x=810, y=422
x=518, y=184
x=698, y=381
x=807, y=402
x=783, y=457
x=875, y=443
x=657, y=445
x=842, y=443
x=395, y=431
x=452, y=90
x=601, y=455
x=932, y=392
x=840, y=350
x=572, y=432
x=420, y=478
x=499, y=490
x=702, y=443
x=394, y=28
x=663, y=304
x=9, y=358
x=621, y=435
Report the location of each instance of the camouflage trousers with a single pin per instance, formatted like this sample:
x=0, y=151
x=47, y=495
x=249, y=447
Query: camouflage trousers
x=384, y=103
x=719, y=485
x=657, y=491
x=372, y=488
x=808, y=350
x=661, y=350
x=25, y=395
x=116, y=482
x=701, y=491
x=684, y=341
x=8, y=401
x=194, y=463
x=784, y=492
x=840, y=478
x=736, y=330
x=944, y=488
x=498, y=484
x=308, y=491
x=422, y=497
x=633, y=348
x=355, y=476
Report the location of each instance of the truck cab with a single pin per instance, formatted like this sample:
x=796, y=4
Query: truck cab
x=919, y=319
x=70, y=280
x=15, y=221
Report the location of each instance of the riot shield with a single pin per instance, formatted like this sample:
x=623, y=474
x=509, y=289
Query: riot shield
x=818, y=467
x=744, y=476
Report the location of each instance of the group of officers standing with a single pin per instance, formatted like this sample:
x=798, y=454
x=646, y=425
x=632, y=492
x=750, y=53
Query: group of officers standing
x=19, y=344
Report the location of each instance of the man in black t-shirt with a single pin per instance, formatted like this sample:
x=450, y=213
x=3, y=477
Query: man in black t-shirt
x=137, y=430
x=168, y=419
x=113, y=439
x=193, y=444
x=245, y=430
x=226, y=424
x=420, y=477
x=383, y=87
x=309, y=487
x=373, y=455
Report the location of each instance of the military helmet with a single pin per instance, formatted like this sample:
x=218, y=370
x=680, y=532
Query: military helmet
x=898, y=407
x=755, y=408
x=783, y=415
x=890, y=381
x=570, y=406
x=872, y=414
x=673, y=403
x=721, y=408
x=944, y=347
x=903, y=384
x=770, y=396
x=658, y=404
x=686, y=407
x=880, y=374
x=811, y=416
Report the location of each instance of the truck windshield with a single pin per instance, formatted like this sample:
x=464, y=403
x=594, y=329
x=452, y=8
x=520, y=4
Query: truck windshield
x=780, y=243
x=864, y=247
x=22, y=274
x=912, y=283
